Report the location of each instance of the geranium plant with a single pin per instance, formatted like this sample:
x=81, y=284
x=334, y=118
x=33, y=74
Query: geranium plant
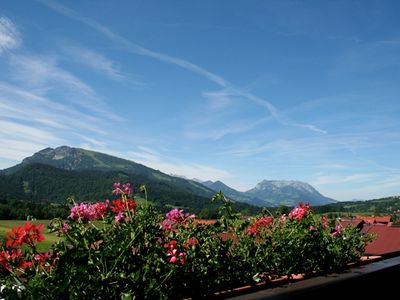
x=121, y=249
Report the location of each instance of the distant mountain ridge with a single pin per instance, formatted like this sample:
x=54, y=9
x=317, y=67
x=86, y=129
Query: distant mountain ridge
x=234, y=194
x=274, y=193
x=266, y=193
x=55, y=174
x=288, y=192
x=77, y=159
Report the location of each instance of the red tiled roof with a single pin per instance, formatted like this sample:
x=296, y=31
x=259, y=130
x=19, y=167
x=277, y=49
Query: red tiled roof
x=373, y=219
x=387, y=239
x=383, y=219
x=354, y=222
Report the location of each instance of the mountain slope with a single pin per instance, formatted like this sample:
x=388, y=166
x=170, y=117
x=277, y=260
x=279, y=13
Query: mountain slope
x=55, y=174
x=387, y=206
x=234, y=194
x=179, y=191
x=288, y=193
x=41, y=182
x=76, y=159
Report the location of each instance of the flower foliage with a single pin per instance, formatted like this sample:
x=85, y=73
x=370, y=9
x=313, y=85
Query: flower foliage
x=121, y=249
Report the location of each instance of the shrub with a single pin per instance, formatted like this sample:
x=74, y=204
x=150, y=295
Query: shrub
x=121, y=249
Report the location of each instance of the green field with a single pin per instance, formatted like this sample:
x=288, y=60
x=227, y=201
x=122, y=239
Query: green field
x=49, y=238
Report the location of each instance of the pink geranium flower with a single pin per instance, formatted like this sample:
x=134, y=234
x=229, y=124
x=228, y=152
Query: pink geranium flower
x=176, y=216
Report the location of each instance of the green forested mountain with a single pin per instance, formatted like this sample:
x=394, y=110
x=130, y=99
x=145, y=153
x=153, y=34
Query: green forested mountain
x=77, y=159
x=387, y=206
x=53, y=175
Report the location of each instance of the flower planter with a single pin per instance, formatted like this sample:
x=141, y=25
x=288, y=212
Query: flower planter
x=119, y=249
x=369, y=278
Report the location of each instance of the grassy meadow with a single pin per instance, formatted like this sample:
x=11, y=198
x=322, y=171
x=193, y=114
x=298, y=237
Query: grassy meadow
x=49, y=238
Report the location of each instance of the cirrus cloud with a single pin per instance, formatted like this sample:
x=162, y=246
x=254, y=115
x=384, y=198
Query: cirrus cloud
x=9, y=35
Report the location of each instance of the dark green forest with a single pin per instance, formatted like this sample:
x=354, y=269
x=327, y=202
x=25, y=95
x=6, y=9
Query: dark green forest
x=42, y=191
x=382, y=206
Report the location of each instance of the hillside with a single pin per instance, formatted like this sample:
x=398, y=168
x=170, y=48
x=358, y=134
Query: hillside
x=55, y=174
x=234, y=194
x=385, y=206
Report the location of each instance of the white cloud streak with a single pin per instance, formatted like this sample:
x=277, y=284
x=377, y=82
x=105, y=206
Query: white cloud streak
x=43, y=74
x=26, y=106
x=377, y=188
x=31, y=122
x=312, y=146
x=187, y=65
x=9, y=35
x=16, y=150
x=153, y=159
x=23, y=132
x=35, y=71
x=97, y=62
x=335, y=179
x=390, y=42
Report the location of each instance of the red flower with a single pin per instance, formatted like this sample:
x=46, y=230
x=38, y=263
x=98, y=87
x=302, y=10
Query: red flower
x=191, y=242
x=264, y=222
x=28, y=234
x=25, y=264
x=120, y=205
x=174, y=254
x=15, y=257
x=299, y=212
x=170, y=245
x=4, y=259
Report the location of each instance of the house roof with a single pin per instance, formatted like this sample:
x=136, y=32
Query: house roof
x=375, y=219
x=354, y=222
x=387, y=239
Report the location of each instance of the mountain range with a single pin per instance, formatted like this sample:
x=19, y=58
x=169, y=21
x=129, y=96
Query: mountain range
x=274, y=192
x=82, y=171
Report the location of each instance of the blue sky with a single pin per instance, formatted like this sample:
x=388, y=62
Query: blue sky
x=238, y=91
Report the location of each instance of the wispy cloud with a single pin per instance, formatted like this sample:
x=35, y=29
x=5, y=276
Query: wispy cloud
x=335, y=179
x=385, y=186
x=26, y=106
x=98, y=63
x=14, y=130
x=38, y=122
x=217, y=131
x=43, y=71
x=310, y=146
x=390, y=42
x=329, y=166
x=219, y=100
x=9, y=35
x=276, y=114
x=43, y=74
x=187, y=65
x=16, y=150
x=158, y=161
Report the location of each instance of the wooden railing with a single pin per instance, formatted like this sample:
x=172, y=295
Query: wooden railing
x=376, y=280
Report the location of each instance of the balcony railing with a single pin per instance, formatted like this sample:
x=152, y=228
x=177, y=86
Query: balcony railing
x=374, y=280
